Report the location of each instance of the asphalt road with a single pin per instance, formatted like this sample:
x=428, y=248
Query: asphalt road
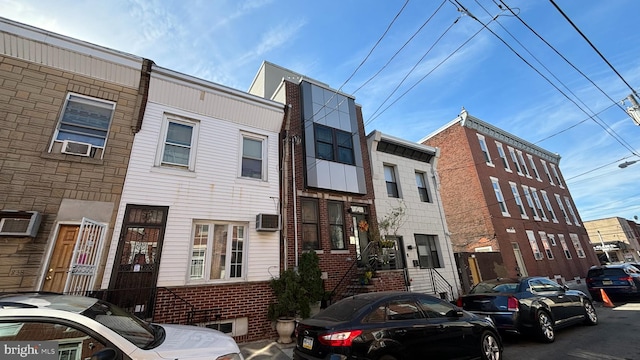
x=616, y=337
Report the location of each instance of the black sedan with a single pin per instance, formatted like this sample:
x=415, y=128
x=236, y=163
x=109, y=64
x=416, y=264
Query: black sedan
x=531, y=304
x=394, y=326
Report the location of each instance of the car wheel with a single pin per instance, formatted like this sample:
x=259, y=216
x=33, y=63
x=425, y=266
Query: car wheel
x=490, y=347
x=545, y=327
x=591, y=318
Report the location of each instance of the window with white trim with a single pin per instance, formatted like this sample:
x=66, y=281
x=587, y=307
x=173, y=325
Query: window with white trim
x=85, y=120
x=253, y=160
x=485, y=150
x=217, y=252
x=534, y=245
x=552, y=239
x=527, y=195
x=390, y=180
x=503, y=157
x=499, y=197
x=179, y=137
x=564, y=212
x=573, y=213
x=565, y=248
x=549, y=207
x=536, y=200
x=555, y=174
x=546, y=171
x=514, y=159
x=518, y=199
x=422, y=187
x=545, y=244
x=533, y=167
x=525, y=170
x=577, y=245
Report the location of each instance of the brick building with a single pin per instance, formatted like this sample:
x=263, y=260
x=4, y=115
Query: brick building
x=507, y=205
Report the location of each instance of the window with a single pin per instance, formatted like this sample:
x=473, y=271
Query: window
x=565, y=248
x=85, y=120
x=253, y=163
x=549, y=207
x=178, y=142
x=516, y=196
x=403, y=309
x=422, y=187
x=533, y=167
x=336, y=225
x=527, y=196
x=499, y=197
x=536, y=200
x=217, y=251
x=485, y=150
x=545, y=244
x=310, y=224
x=534, y=245
x=525, y=170
x=546, y=171
x=334, y=145
x=564, y=213
x=427, y=251
x=390, y=179
x=514, y=159
x=435, y=308
x=573, y=213
x=503, y=157
x=552, y=239
x=577, y=245
x=555, y=175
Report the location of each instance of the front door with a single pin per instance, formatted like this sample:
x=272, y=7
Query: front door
x=135, y=269
x=56, y=276
x=360, y=228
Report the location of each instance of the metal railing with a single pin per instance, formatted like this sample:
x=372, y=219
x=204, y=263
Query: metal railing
x=440, y=285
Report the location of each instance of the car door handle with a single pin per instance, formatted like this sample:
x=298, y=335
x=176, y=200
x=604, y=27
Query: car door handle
x=441, y=327
x=401, y=332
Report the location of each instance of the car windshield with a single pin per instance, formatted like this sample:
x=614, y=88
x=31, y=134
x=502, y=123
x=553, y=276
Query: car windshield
x=343, y=310
x=128, y=326
x=606, y=272
x=487, y=288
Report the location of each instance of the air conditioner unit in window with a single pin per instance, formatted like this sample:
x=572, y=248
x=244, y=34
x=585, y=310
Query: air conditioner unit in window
x=76, y=148
x=267, y=222
x=19, y=223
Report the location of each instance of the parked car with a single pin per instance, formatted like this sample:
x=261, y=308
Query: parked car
x=529, y=305
x=396, y=325
x=77, y=327
x=615, y=280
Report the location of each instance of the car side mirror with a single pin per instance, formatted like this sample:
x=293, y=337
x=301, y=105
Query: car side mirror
x=454, y=313
x=105, y=354
x=565, y=287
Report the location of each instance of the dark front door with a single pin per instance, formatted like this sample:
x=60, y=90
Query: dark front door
x=135, y=271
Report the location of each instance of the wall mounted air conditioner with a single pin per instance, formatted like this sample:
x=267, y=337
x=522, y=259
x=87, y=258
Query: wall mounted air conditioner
x=267, y=222
x=76, y=148
x=19, y=223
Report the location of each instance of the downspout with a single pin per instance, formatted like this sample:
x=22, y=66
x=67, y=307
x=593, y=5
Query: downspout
x=285, y=182
x=294, y=140
x=143, y=95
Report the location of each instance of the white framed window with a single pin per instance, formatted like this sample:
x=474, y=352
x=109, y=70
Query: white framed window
x=552, y=239
x=499, y=197
x=503, y=157
x=564, y=212
x=390, y=180
x=549, y=207
x=577, y=245
x=178, y=142
x=422, y=187
x=534, y=245
x=565, y=248
x=573, y=213
x=536, y=200
x=85, y=119
x=514, y=160
x=253, y=162
x=555, y=175
x=217, y=252
x=545, y=244
x=527, y=195
x=523, y=164
x=546, y=171
x=518, y=199
x=485, y=150
x=533, y=167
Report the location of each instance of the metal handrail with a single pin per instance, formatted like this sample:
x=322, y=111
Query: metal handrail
x=441, y=279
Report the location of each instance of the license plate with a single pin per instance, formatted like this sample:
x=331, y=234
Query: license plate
x=307, y=342
x=607, y=282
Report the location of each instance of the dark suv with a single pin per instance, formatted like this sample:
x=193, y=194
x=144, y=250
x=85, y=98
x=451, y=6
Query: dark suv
x=617, y=279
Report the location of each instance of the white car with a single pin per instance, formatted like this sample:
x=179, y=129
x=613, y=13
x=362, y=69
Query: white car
x=55, y=326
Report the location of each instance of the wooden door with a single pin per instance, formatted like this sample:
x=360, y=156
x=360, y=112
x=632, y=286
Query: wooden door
x=56, y=276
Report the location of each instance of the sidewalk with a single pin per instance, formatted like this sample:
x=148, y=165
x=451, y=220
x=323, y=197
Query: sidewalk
x=267, y=349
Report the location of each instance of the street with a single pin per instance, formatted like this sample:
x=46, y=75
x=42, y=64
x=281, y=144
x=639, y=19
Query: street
x=614, y=338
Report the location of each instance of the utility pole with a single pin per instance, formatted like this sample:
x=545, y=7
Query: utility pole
x=603, y=248
x=634, y=110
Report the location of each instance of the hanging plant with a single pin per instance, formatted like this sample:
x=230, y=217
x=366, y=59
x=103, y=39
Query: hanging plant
x=363, y=226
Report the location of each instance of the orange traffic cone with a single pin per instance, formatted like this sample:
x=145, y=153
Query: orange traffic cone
x=605, y=299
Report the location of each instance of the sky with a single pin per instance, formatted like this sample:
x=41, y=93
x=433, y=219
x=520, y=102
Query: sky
x=412, y=65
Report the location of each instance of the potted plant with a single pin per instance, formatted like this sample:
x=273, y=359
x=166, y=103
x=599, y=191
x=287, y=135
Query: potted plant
x=311, y=282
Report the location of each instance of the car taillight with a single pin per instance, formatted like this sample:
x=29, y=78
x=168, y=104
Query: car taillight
x=512, y=304
x=626, y=278
x=459, y=302
x=343, y=338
